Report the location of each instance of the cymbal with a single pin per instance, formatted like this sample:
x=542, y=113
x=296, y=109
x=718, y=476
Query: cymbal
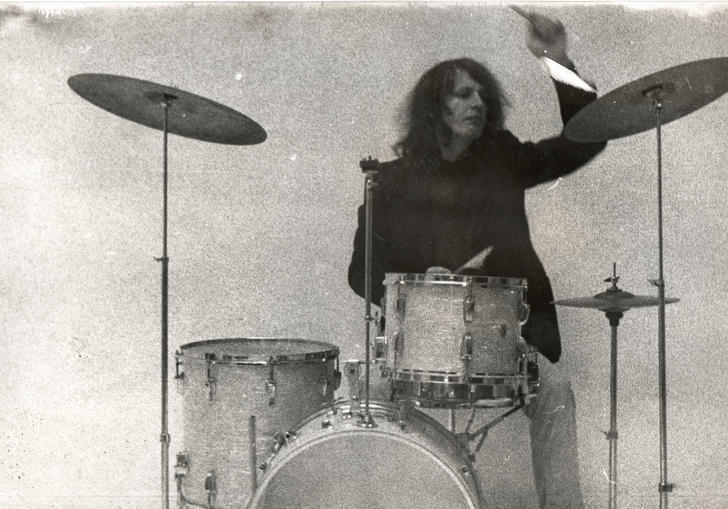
x=614, y=301
x=189, y=115
x=629, y=109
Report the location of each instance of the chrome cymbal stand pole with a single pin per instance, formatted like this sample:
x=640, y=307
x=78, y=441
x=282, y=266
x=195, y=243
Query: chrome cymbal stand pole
x=164, y=437
x=612, y=435
x=370, y=167
x=613, y=315
x=654, y=94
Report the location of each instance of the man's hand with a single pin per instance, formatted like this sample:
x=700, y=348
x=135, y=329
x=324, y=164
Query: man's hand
x=434, y=273
x=546, y=36
x=438, y=270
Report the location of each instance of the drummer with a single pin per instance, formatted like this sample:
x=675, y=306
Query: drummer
x=454, y=201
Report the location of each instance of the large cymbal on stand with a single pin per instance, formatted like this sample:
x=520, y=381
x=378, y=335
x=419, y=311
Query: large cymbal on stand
x=613, y=300
x=630, y=109
x=171, y=111
x=189, y=115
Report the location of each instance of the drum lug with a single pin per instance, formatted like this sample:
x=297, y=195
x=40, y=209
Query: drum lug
x=401, y=303
x=270, y=387
x=178, y=363
x=279, y=439
x=179, y=375
x=211, y=488
x=182, y=468
x=348, y=411
x=326, y=423
x=468, y=304
x=466, y=352
x=523, y=359
x=380, y=348
x=211, y=381
x=289, y=437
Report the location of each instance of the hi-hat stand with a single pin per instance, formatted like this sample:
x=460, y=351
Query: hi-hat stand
x=614, y=302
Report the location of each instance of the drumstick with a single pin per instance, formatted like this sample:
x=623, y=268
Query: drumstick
x=556, y=70
x=476, y=262
x=529, y=16
x=520, y=11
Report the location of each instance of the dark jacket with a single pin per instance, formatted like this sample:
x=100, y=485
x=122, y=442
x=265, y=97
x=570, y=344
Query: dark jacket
x=444, y=216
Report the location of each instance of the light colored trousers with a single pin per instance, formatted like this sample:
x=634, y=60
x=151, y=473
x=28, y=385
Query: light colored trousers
x=554, y=453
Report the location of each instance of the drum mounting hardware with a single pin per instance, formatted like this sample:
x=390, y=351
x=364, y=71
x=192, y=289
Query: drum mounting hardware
x=210, y=383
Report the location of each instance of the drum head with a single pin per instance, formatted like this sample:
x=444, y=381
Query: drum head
x=257, y=350
x=391, y=278
x=363, y=468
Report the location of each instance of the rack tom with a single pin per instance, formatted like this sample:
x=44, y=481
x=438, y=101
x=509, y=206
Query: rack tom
x=455, y=341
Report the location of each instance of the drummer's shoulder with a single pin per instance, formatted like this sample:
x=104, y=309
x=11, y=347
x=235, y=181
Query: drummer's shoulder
x=503, y=143
x=392, y=165
x=393, y=171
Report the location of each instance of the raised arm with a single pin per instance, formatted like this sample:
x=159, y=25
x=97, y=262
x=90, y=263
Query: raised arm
x=554, y=157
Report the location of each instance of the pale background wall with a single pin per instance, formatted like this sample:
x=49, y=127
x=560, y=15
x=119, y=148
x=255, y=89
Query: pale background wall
x=260, y=236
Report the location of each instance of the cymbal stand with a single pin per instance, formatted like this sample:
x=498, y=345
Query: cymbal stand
x=164, y=437
x=370, y=167
x=654, y=94
x=612, y=435
x=613, y=315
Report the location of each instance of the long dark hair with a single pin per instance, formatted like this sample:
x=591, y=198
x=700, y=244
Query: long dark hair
x=422, y=116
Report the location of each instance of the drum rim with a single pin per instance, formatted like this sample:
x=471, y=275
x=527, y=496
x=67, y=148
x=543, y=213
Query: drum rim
x=455, y=280
x=405, y=375
x=411, y=388
x=331, y=351
x=381, y=408
x=471, y=494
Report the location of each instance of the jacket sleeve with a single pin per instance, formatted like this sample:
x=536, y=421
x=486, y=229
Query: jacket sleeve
x=537, y=163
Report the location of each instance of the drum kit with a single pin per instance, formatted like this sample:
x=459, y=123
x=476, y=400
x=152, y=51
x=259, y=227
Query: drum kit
x=261, y=423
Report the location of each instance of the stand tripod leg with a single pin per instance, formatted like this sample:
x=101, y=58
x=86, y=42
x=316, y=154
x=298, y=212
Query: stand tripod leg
x=483, y=431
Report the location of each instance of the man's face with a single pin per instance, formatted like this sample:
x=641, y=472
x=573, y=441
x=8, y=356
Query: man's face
x=464, y=109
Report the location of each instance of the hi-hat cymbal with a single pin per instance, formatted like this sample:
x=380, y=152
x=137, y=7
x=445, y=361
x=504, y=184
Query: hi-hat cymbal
x=189, y=115
x=629, y=109
x=613, y=301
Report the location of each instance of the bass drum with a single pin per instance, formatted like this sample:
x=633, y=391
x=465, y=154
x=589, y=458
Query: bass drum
x=404, y=460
